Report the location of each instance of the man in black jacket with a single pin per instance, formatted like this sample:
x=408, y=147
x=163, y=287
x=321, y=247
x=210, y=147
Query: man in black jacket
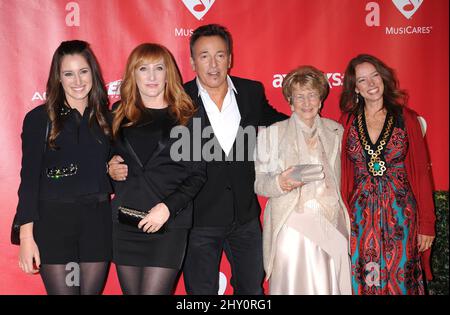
x=226, y=210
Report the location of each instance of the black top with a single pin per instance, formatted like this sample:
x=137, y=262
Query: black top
x=75, y=169
x=154, y=175
x=228, y=194
x=145, y=135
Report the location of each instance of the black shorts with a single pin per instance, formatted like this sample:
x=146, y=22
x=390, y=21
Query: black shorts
x=78, y=231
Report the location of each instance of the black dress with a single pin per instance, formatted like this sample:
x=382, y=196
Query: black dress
x=65, y=191
x=168, y=181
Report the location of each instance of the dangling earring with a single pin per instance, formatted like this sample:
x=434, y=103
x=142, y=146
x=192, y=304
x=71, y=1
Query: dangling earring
x=357, y=98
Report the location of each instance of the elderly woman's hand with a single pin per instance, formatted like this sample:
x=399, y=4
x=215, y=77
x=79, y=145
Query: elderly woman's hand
x=287, y=184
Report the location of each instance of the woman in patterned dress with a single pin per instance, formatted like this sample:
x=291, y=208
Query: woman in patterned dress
x=386, y=182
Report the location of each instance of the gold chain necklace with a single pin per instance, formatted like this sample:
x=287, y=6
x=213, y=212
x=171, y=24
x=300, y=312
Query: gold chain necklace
x=377, y=165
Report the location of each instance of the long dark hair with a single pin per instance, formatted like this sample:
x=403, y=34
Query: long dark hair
x=393, y=97
x=181, y=107
x=56, y=98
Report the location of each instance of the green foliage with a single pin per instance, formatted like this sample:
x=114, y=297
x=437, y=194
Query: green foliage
x=439, y=255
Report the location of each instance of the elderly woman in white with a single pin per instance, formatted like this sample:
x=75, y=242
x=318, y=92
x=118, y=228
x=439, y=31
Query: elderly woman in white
x=306, y=225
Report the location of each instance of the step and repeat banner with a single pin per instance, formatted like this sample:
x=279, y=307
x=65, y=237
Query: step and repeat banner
x=271, y=37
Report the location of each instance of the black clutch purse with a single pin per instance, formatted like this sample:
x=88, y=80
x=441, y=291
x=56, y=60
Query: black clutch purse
x=132, y=217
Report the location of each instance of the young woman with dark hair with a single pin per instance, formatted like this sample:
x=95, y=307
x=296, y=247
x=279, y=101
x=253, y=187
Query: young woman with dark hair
x=386, y=182
x=64, y=204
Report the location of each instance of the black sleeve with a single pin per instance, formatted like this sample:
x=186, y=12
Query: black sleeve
x=109, y=118
x=114, y=106
x=33, y=142
x=192, y=184
x=188, y=189
x=269, y=115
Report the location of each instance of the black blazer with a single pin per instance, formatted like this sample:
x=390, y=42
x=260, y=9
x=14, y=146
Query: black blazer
x=228, y=195
x=78, y=143
x=160, y=179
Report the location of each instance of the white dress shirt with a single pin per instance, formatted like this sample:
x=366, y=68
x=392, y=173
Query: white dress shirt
x=225, y=122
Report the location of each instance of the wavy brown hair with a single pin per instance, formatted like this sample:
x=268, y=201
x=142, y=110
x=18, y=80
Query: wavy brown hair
x=56, y=98
x=131, y=106
x=305, y=76
x=393, y=97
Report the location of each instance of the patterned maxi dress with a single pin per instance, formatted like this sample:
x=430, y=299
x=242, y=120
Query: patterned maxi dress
x=385, y=258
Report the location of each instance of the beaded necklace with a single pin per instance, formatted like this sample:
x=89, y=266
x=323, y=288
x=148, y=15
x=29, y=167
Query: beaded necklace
x=376, y=164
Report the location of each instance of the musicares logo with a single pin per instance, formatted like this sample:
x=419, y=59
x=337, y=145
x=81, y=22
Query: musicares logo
x=407, y=7
x=198, y=8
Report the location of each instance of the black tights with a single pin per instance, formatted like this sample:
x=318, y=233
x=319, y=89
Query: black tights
x=87, y=278
x=146, y=280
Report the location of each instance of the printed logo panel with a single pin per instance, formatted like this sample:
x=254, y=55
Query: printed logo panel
x=198, y=8
x=407, y=7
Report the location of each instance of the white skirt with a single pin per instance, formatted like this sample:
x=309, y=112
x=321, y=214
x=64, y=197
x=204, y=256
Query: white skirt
x=311, y=258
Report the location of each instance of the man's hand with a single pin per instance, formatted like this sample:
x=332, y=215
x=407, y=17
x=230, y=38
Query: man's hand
x=116, y=169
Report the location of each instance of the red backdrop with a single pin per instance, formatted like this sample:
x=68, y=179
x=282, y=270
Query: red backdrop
x=271, y=37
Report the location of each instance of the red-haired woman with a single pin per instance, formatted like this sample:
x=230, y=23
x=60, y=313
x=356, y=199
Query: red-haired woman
x=153, y=105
